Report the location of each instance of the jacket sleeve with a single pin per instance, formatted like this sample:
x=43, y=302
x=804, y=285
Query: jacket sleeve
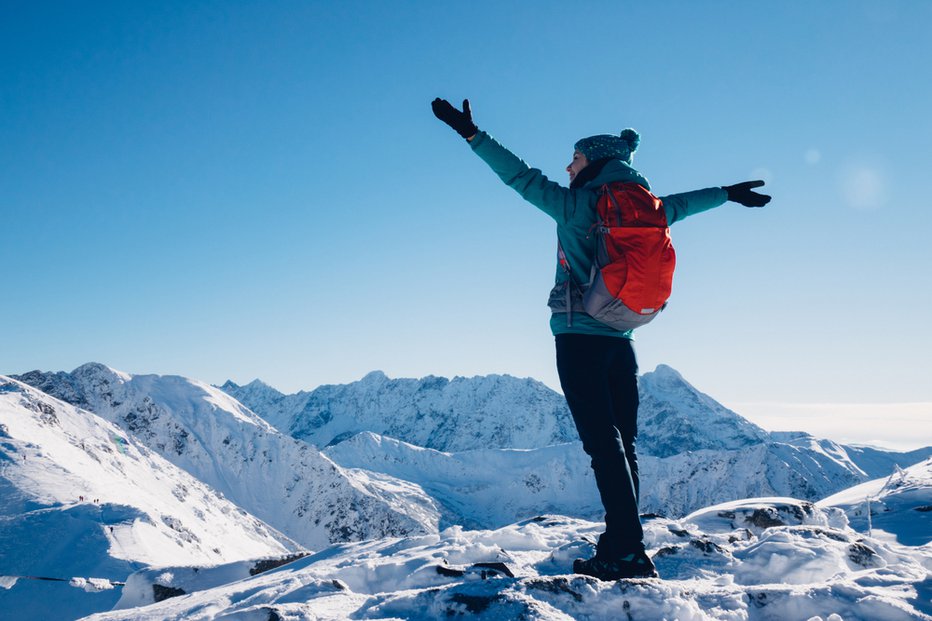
x=560, y=203
x=679, y=206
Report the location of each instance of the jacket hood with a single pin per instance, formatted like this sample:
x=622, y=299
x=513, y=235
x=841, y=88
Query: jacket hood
x=616, y=170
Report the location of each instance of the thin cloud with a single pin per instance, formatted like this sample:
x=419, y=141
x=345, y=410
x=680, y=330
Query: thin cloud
x=899, y=426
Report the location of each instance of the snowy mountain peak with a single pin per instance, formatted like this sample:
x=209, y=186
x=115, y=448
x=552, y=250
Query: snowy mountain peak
x=667, y=380
x=258, y=390
x=675, y=417
x=258, y=397
x=374, y=377
x=96, y=369
x=666, y=373
x=256, y=385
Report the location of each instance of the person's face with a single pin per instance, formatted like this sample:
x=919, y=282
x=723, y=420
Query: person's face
x=579, y=162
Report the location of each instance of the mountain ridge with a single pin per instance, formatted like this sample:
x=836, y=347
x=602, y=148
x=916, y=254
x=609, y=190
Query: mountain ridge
x=81, y=497
x=434, y=412
x=284, y=481
x=693, y=450
x=670, y=409
x=684, y=433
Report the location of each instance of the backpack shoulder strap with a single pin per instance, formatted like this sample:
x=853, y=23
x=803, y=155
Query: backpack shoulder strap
x=607, y=190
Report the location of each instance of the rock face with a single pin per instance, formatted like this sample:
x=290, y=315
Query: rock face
x=495, y=411
x=283, y=481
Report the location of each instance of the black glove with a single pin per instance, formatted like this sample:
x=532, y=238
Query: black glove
x=461, y=121
x=741, y=193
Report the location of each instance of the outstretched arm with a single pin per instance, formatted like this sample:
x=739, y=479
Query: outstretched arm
x=679, y=206
x=558, y=202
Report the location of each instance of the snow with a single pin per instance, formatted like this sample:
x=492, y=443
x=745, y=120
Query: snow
x=79, y=465
x=495, y=411
x=694, y=451
x=195, y=507
x=469, y=486
x=84, y=504
x=898, y=507
x=91, y=585
x=801, y=570
x=286, y=483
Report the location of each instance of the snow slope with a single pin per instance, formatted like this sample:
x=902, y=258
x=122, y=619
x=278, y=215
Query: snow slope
x=283, y=481
x=898, y=507
x=137, y=508
x=489, y=488
x=759, y=560
x=483, y=488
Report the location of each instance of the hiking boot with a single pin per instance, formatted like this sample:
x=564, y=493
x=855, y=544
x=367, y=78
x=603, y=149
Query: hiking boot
x=635, y=565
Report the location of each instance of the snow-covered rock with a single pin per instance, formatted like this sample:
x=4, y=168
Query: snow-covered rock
x=156, y=584
x=808, y=568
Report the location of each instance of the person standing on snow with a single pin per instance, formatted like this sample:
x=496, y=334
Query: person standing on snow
x=596, y=363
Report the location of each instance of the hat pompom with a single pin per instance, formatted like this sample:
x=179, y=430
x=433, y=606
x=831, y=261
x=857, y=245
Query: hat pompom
x=631, y=137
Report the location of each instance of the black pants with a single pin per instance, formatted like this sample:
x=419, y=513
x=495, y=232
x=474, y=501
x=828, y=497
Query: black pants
x=599, y=378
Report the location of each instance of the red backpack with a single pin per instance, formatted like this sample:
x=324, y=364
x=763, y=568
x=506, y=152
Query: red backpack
x=632, y=274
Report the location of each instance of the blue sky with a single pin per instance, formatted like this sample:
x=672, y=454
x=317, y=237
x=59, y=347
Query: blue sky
x=258, y=189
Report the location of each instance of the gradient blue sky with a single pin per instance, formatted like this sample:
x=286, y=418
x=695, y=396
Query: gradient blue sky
x=259, y=190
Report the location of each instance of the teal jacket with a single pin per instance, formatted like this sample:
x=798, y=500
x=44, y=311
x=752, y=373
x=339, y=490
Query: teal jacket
x=574, y=212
